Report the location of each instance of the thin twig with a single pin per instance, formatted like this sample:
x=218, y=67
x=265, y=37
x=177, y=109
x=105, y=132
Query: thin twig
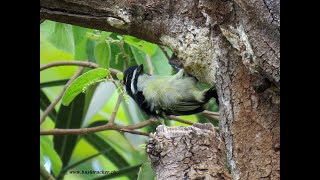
x=51, y=106
x=175, y=118
x=115, y=110
x=98, y=128
x=78, y=131
x=142, y=124
x=45, y=174
x=75, y=63
x=134, y=132
x=216, y=118
x=69, y=63
x=165, y=52
x=110, y=78
x=151, y=70
x=210, y=113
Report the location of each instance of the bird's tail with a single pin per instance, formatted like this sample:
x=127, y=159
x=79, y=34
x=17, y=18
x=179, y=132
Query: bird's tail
x=212, y=92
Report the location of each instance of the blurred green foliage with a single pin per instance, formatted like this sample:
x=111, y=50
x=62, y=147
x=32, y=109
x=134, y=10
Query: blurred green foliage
x=111, y=151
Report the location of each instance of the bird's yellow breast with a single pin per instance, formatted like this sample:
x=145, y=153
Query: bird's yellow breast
x=168, y=91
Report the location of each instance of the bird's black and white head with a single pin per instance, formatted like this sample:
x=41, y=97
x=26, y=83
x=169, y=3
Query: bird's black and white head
x=130, y=79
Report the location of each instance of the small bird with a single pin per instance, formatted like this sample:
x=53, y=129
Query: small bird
x=160, y=96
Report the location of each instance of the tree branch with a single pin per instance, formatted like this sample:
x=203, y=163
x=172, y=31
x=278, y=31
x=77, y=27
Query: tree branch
x=75, y=63
x=69, y=63
x=210, y=113
x=175, y=118
x=98, y=128
x=51, y=106
x=134, y=132
x=128, y=129
x=45, y=174
x=142, y=124
x=111, y=15
x=115, y=110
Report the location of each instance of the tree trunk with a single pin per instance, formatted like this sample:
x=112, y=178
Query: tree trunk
x=232, y=44
x=195, y=152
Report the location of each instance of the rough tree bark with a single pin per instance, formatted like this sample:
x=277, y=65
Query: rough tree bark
x=232, y=44
x=195, y=152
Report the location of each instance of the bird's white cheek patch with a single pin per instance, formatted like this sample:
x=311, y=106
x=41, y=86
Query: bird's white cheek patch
x=132, y=81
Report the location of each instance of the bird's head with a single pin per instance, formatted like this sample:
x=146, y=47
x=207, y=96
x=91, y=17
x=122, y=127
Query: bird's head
x=131, y=77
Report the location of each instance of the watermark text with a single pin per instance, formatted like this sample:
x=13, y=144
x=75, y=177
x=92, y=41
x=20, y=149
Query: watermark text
x=90, y=172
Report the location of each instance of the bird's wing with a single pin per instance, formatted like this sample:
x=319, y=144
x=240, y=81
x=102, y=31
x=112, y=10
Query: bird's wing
x=187, y=105
x=184, y=108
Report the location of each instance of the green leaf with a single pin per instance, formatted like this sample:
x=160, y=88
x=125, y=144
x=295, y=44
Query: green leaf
x=122, y=172
x=102, y=54
x=120, y=76
x=46, y=148
x=62, y=37
x=42, y=161
x=116, y=60
x=101, y=95
x=90, y=51
x=79, y=34
x=80, y=41
x=93, y=36
x=134, y=113
x=65, y=169
x=54, y=83
x=140, y=57
x=116, y=158
x=104, y=35
x=90, y=91
x=69, y=117
x=83, y=81
x=126, y=109
x=98, y=123
x=122, y=145
x=160, y=63
x=44, y=103
x=120, y=37
x=46, y=28
x=146, y=47
x=202, y=119
x=158, y=60
x=146, y=172
x=100, y=144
